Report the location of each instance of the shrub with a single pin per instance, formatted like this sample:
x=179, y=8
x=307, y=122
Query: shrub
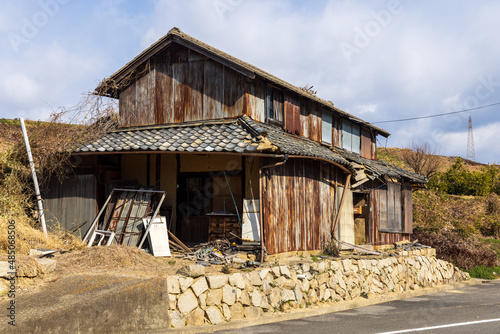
x=484, y=272
x=450, y=246
x=457, y=180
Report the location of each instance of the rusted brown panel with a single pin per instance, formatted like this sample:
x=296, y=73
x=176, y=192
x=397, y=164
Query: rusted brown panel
x=304, y=118
x=290, y=180
x=315, y=122
x=234, y=91
x=196, y=83
x=292, y=114
x=163, y=93
x=213, y=90
x=366, y=144
x=181, y=92
x=127, y=106
x=256, y=100
x=301, y=206
x=335, y=130
x=145, y=99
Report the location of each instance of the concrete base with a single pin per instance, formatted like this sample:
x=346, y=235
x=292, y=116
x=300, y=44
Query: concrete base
x=92, y=304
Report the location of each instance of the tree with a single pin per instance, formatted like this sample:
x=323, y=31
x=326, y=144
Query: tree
x=422, y=158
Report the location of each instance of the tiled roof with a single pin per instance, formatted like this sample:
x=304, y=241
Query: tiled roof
x=377, y=168
x=241, y=135
x=221, y=136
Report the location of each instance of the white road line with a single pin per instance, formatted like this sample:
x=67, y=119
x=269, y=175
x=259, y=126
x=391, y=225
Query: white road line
x=442, y=326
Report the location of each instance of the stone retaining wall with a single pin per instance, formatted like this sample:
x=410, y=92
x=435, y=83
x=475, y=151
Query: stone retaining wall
x=214, y=299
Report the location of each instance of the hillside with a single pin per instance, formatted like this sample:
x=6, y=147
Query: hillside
x=394, y=156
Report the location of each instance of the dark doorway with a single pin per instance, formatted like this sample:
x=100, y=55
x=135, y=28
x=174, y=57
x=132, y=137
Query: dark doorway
x=361, y=218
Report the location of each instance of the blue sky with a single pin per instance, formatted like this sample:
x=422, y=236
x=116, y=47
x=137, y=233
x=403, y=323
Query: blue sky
x=379, y=60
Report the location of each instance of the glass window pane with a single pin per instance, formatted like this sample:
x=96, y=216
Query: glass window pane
x=326, y=127
x=356, y=139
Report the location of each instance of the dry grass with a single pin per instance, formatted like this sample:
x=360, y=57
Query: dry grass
x=395, y=156
x=107, y=258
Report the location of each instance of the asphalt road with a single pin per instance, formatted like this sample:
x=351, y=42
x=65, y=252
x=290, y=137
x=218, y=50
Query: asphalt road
x=474, y=309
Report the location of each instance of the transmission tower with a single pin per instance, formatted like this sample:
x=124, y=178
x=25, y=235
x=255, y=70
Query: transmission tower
x=471, y=154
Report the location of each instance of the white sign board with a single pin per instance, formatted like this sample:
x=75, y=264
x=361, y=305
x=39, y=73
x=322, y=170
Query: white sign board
x=158, y=236
x=250, y=229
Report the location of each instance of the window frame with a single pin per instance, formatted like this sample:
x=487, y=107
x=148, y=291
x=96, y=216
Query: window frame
x=348, y=135
x=274, y=95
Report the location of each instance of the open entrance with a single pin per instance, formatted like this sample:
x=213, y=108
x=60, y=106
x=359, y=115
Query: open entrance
x=210, y=205
x=361, y=209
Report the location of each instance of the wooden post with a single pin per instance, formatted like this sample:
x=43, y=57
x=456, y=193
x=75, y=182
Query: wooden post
x=35, y=180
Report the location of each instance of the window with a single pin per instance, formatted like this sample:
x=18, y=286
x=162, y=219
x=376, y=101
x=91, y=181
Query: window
x=326, y=127
x=274, y=105
x=351, y=136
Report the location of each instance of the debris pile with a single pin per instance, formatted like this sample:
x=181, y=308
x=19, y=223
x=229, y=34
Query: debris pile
x=408, y=245
x=216, y=252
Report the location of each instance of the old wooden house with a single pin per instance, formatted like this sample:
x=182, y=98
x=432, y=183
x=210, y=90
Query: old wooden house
x=239, y=151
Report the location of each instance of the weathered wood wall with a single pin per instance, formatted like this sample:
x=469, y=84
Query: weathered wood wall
x=71, y=202
x=298, y=205
x=181, y=85
x=400, y=205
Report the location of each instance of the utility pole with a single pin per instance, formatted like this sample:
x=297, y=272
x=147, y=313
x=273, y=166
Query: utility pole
x=33, y=173
x=471, y=154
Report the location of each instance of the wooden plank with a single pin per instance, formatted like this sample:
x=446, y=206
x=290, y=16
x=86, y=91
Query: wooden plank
x=195, y=84
x=145, y=99
x=304, y=119
x=180, y=92
x=213, y=96
x=366, y=144
x=382, y=208
x=234, y=91
x=127, y=106
x=163, y=93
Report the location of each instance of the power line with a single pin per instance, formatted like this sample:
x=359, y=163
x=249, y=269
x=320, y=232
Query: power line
x=437, y=115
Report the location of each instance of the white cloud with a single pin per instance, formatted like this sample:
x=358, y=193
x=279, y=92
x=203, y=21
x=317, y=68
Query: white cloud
x=19, y=88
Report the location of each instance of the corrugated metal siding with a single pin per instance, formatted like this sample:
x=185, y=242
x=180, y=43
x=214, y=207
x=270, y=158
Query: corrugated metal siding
x=298, y=205
x=71, y=202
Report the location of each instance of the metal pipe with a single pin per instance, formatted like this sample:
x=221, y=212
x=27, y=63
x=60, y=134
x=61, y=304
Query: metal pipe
x=35, y=180
x=152, y=220
x=89, y=231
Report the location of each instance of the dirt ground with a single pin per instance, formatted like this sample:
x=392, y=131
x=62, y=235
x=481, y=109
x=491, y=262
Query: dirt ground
x=123, y=261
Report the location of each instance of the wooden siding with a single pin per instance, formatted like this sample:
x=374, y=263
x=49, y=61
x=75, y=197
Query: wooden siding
x=292, y=114
x=378, y=237
x=71, y=202
x=366, y=144
x=183, y=86
x=298, y=205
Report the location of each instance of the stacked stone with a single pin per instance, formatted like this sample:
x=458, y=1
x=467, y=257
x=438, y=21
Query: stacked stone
x=198, y=299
